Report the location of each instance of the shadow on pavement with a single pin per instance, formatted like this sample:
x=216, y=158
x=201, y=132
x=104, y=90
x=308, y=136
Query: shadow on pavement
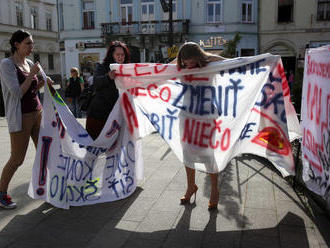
x=311, y=210
x=105, y=225
x=96, y=226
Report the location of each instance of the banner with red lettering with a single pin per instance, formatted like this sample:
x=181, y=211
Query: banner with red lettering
x=210, y=115
x=315, y=119
x=72, y=169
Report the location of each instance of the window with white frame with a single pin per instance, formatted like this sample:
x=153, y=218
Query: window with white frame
x=323, y=10
x=147, y=10
x=126, y=8
x=174, y=13
x=48, y=21
x=19, y=13
x=88, y=11
x=214, y=8
x=247, y=11
x=34, y=18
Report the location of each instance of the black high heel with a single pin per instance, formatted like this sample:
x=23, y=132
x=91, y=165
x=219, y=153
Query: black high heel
x=186, y=198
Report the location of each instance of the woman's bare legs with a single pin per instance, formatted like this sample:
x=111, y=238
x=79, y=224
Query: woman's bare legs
x=191, y=185
x=214, y=197
x=19, y=144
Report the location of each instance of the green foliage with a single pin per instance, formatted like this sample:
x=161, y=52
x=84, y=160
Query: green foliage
x=230, y=47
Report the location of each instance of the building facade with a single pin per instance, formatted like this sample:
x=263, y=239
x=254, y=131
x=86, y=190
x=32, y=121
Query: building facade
x=39, y=17
x=288, y=27
x=153, y=35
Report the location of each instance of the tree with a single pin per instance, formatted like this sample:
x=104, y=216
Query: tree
x=230, y=47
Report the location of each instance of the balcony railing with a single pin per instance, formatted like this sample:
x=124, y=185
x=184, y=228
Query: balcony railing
x=144, y=27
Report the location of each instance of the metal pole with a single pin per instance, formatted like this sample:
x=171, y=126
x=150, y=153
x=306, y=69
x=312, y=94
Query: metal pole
x=170, y=22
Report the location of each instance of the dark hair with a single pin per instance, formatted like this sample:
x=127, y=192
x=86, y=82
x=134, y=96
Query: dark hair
x=18, y=36
x=109, y=58
x=191, y=50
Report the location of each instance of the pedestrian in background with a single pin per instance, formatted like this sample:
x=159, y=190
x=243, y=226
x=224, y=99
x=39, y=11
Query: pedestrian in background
x=191, y=55
x=106, y=93
x=291, y=80
x=22, y=106
x=75, y=85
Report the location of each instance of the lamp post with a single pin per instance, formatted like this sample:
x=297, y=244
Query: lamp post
x=170, y=23
x=168, y=7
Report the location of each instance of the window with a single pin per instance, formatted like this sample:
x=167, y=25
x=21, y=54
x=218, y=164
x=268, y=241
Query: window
x=50, y=62
x=126, y=7
x=323, y=10
x=247, y=52
x=214, y=11
x=61, y=18
x=36, y=57
x=88, y=14
x=285, y=11
x=19, y=14
x=174, y=14
x=147, y=9
x=34, y=18
x=247, y=11
x=48, y=21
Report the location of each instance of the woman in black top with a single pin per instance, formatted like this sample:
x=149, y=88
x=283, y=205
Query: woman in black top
x=106, y=93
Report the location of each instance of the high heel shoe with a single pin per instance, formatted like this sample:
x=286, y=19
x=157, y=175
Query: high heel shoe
x=213, y=203
x=186, y=198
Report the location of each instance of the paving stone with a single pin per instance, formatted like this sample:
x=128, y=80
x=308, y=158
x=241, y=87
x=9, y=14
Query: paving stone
x=113, y=234
x=225, y=239
x=293, y=213
x=283, y=194
x=293, y=236
x=188, y=239
x=142, y=243
x=262, y=222
x=257, y=240
x=168, y=201
x=256, y=188
x=138, y=210
x=260, y=201
x=156, y=225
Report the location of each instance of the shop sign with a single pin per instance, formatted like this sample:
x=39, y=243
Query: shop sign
x=212, y=42
x=94, y=45
x=82, y=45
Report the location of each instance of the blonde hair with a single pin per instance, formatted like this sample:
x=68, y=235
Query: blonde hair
x=75, y=69
x=191, y=50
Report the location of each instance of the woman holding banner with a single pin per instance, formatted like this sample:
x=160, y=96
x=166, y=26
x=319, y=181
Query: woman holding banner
x=22, y=106
x=106, y=93
x=191, y=55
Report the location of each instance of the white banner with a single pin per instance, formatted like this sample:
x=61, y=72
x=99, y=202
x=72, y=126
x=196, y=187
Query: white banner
x=71, y=169
x=210, y=115
x=315, y=116
x=207, y=116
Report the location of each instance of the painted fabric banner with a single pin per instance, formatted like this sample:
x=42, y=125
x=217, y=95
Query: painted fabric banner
x=315, y=116
x=71, y=169
x=210, y=115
